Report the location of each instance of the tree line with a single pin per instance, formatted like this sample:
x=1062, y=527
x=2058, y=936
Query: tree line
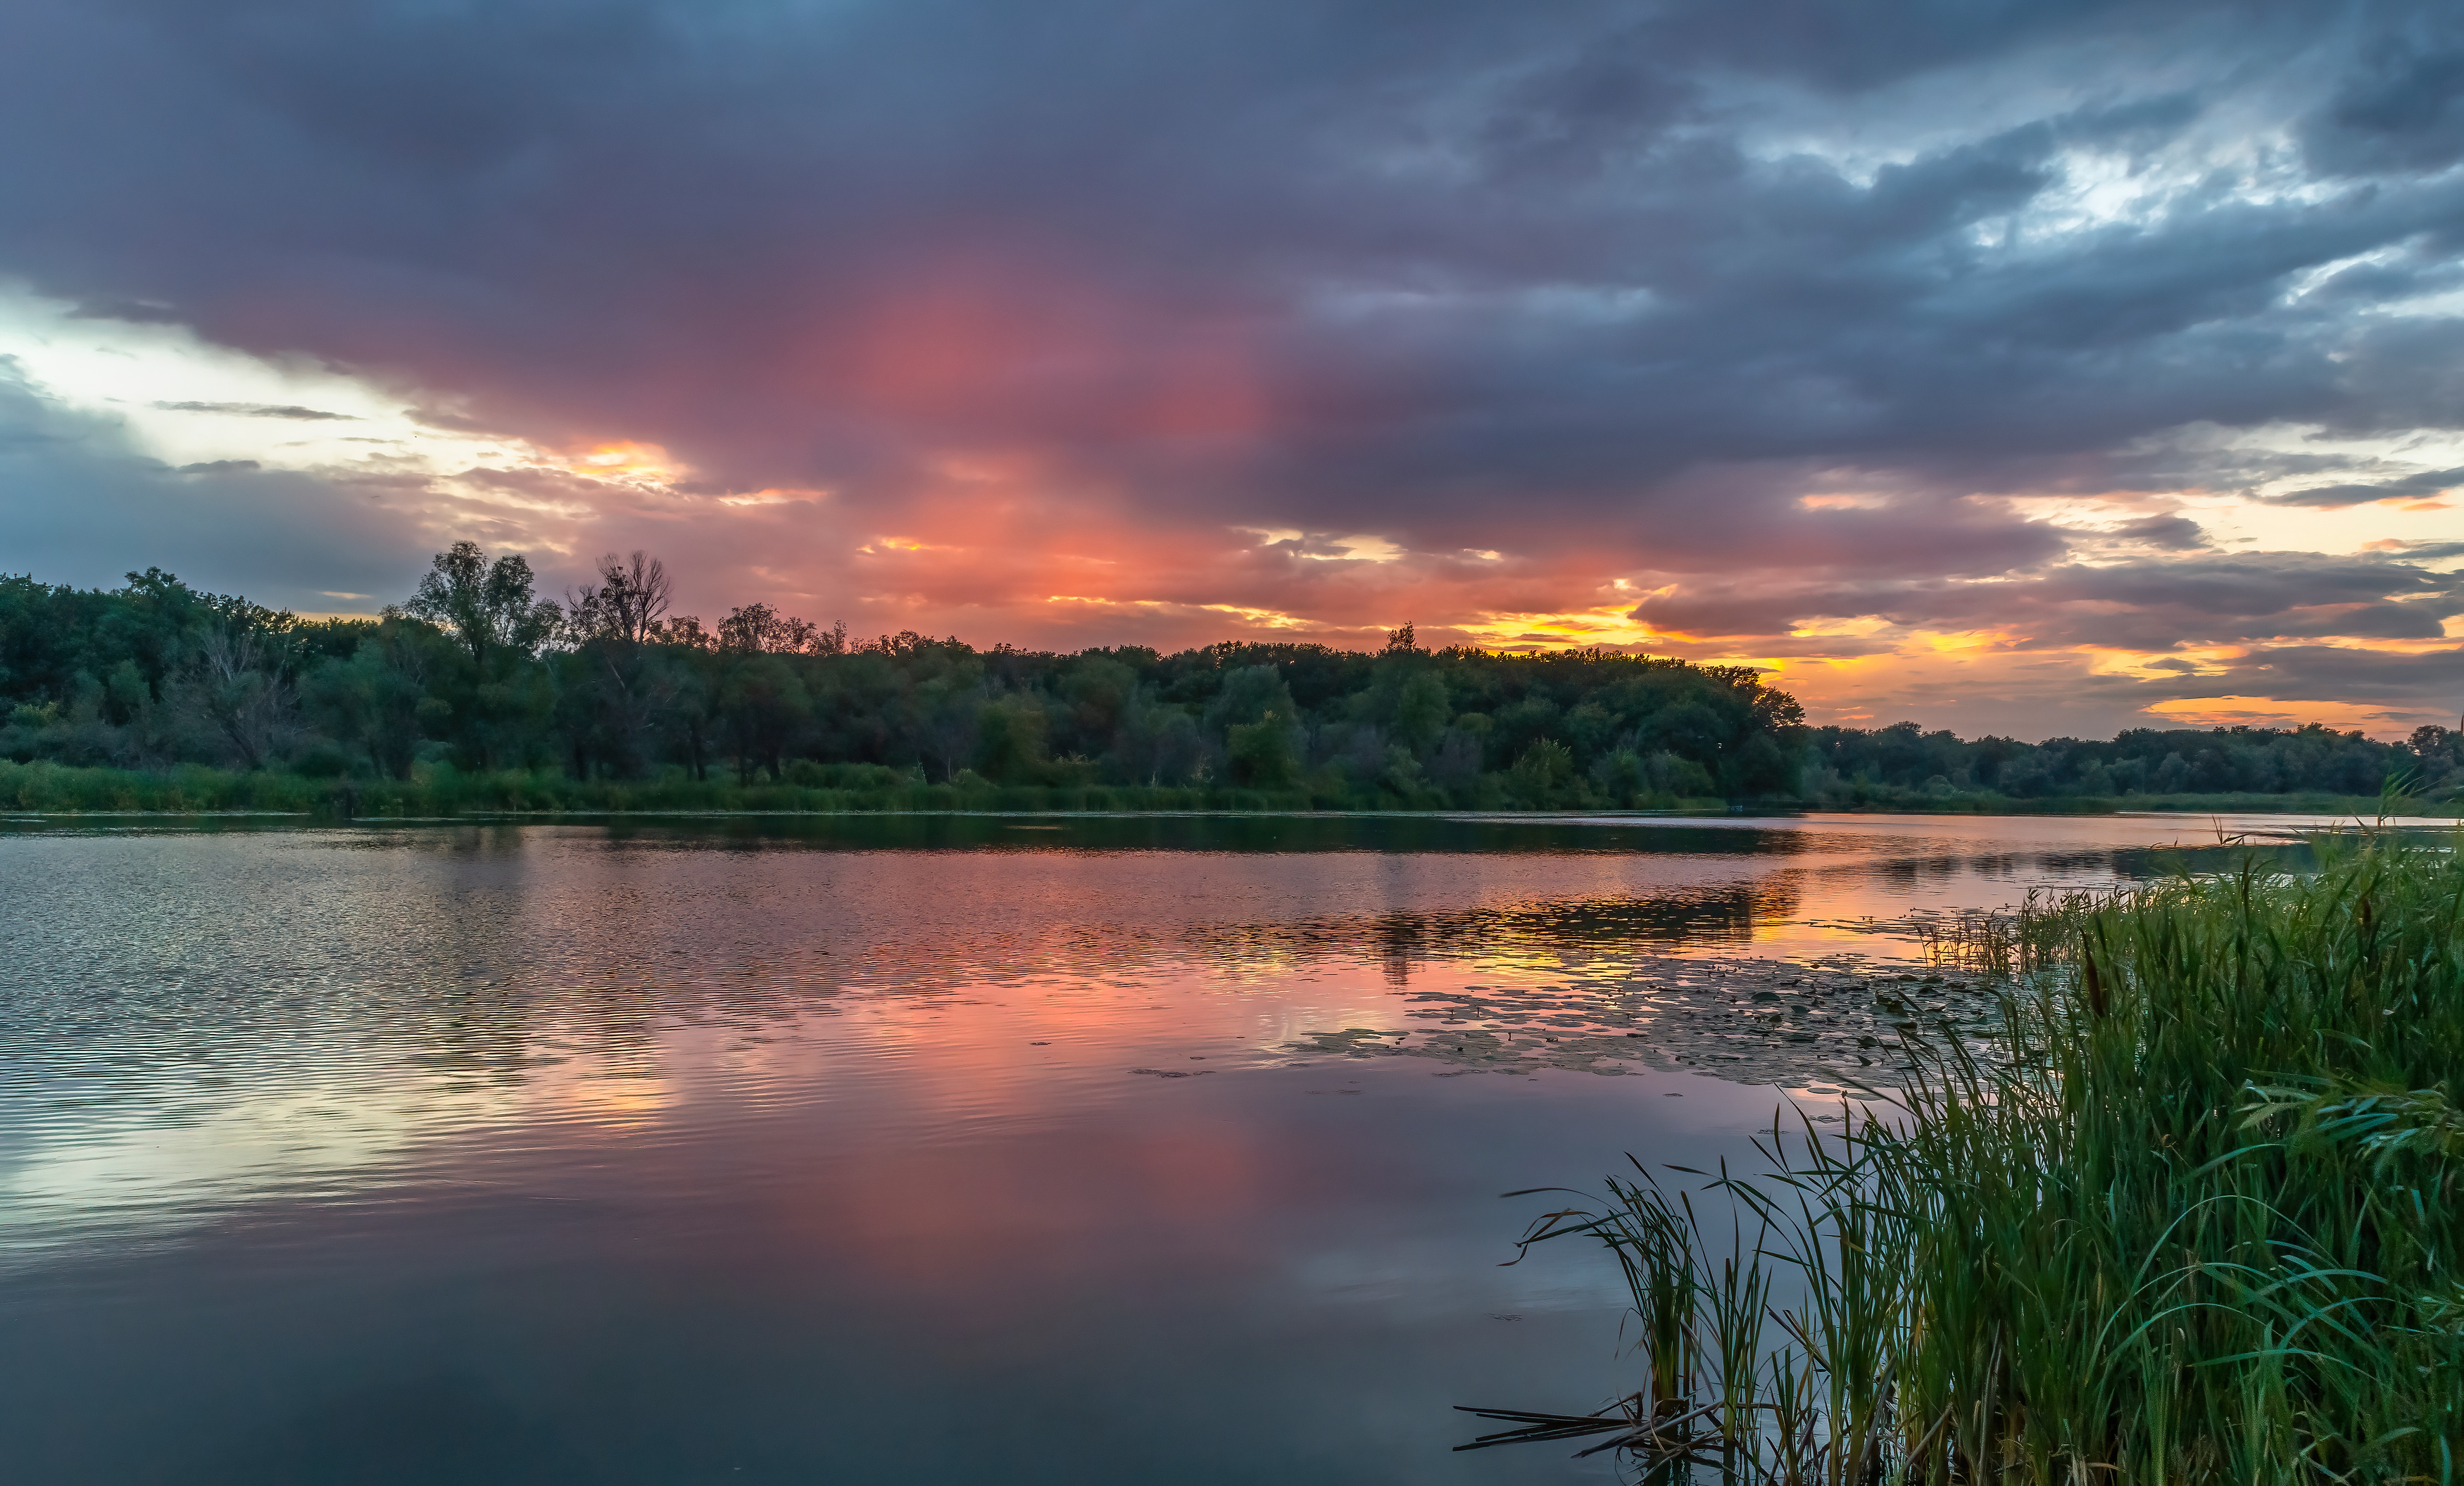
x=474, y=672
x=1905, y=762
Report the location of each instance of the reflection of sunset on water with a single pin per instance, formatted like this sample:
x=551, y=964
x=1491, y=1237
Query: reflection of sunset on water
x=610, y=990
x=845, y=1108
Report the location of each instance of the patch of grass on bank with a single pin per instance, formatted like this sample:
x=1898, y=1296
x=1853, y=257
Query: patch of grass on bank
x=2197, y=1219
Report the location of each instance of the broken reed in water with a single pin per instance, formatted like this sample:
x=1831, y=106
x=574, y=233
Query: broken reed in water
x=2196, y=1220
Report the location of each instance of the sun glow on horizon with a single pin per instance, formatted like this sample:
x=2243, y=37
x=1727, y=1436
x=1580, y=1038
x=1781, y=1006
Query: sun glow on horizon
x=2260, y=712
x=991, y=544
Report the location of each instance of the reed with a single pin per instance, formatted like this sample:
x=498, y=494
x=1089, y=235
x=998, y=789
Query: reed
x=2195, y=1219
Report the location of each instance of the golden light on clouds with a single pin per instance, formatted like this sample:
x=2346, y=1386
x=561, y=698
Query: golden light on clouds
x=1608, y=625
x=997, y=543
x=623, y=460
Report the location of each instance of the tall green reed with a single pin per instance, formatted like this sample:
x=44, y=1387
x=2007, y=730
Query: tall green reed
x=2195, y=1219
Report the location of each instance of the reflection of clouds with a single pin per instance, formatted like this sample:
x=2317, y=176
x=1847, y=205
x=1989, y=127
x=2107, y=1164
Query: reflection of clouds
x=322, y=1119
x=163, y=1172
x=199, y=1021
x=176, y=1140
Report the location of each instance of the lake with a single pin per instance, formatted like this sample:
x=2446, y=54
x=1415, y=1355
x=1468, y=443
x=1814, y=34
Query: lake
x=1090, y=1150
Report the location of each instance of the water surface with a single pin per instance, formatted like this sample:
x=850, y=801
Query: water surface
x=1089, y=1151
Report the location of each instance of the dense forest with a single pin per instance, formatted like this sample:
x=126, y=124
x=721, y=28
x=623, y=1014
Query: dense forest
x=476, y=675
x=1852, y=765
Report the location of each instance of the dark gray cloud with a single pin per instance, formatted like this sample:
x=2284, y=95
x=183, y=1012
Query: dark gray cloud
x=2177, y=534
x=1452, y=248
x=135, y=312
x=2202, y=599
x=2412, y=487
x=2432, y=678
x=262, y=410
x=1567, y=276
x=2400, y=105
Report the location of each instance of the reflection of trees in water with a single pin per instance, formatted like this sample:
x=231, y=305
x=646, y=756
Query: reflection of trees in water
x=1560, y=934
x=507, y=957
x=786, y=961
x=1875, y=895
x=1278, y=834
x=605, y=982
x=504, y=962
x=2015, y=866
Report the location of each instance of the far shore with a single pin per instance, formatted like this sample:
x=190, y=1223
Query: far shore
x=44, y=791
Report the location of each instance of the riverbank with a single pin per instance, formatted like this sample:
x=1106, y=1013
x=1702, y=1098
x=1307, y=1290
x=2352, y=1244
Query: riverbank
x=189, y=789
x=2306, y=803
x=44, y=788
x=2193, y=1217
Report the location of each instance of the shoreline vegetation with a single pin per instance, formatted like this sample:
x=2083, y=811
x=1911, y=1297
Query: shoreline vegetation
x=43, y=788
x=2194, y=1216
x=476, y=695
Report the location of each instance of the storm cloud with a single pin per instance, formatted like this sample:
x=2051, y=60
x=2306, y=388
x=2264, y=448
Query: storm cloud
x=1777, y=313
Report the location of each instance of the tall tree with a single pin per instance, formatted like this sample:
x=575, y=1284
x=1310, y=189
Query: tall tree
x=237, y=690
x=383, y=698
x=489, y=607
x=628, y=602
x=759, y=629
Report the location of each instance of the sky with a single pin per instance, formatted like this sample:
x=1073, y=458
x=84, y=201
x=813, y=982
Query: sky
x=2022, y=366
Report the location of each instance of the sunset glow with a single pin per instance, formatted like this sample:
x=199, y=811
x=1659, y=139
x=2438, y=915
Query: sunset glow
x=1466, y=357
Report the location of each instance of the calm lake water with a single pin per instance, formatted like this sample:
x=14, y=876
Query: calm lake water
x=941, y=1149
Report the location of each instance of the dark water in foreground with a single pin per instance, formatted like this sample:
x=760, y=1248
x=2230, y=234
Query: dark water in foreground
x=891, y=1151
